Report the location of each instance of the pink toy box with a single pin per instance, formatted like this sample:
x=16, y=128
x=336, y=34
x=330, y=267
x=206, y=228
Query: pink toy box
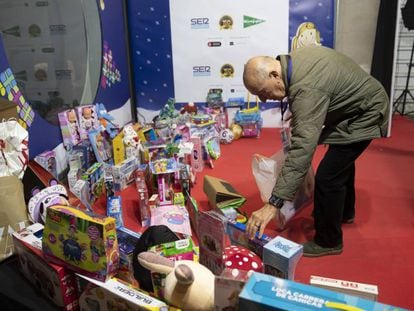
x=69, y=126
x=55, y=282
x=84, y=242
x=88, y=120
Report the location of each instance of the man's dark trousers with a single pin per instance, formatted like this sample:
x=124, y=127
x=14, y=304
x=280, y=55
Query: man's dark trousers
x=334, y=197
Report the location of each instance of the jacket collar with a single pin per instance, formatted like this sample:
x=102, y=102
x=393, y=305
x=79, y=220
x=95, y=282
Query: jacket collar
x=286, y=62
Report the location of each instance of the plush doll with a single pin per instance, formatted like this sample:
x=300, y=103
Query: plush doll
x=152, y=236
x=188, y=285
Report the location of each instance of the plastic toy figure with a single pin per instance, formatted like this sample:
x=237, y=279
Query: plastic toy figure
x=107, y=121
x=55, y=194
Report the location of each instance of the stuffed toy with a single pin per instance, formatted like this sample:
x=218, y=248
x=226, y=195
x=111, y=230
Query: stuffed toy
x=188, y=285
x=152, y=236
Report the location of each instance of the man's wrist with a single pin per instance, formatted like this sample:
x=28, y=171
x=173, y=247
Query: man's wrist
x=276, y=201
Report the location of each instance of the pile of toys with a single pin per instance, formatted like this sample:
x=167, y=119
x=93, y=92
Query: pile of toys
x=183, y=258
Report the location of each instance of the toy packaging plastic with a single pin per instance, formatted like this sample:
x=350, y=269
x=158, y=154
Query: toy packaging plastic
x=280, y=257
x=265, y=292
x=69, y=126
x=227, y=288
x=88, y=120
x=115, y=295
x=55, y=282
x=82, y=241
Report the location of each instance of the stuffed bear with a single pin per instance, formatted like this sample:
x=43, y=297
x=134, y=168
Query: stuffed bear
x=188, y=285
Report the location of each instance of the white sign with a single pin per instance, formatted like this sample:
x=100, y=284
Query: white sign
x=213, y=39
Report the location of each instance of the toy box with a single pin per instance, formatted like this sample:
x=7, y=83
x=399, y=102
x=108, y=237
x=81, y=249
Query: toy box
x=124, y=173
x=47, y=160
x=366, y=291
x=83, y=241
x=127, y=240
x=55, y=282
x=227, y=288
x=101, y=147
x=265, y=292
x=88, y=120
x=211, y=234
x=280, y=257
x=115, y=294
x=174, y=217
x=118, y=148
x=69, y=126
x=237, y=234
x=221, y=194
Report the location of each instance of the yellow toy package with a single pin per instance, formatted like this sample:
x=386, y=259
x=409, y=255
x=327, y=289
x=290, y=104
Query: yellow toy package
x=82, y=241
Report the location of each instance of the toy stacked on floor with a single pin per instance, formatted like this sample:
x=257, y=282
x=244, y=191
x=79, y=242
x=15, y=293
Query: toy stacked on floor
x=249, y=119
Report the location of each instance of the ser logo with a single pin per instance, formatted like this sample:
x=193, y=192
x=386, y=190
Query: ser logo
x=200, y=22
x=201, y=71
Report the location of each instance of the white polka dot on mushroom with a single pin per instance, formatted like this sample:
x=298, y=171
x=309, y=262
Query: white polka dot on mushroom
x=245, y=259
x=255, y=265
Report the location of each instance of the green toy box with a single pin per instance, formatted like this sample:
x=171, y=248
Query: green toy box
x=82, y=241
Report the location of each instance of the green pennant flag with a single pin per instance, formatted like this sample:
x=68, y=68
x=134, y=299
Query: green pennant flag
x=251, y=21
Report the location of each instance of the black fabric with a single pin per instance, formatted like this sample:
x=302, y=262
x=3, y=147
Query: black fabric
x=154, y=235
x=407, y=13
x=383, y=56
x=334, y=197
x=17, y=293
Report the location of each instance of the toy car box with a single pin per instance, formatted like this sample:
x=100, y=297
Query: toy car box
x=55, y=282
x=280, y=257
x=115, y=295
x=366, y=291
x=82, y=241
x=266, y=292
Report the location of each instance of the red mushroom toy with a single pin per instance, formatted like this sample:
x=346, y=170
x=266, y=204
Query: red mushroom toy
x=240, y=258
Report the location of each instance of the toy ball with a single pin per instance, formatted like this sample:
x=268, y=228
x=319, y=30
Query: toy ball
x=226, y=136
x=240, y=258
x=237, y=130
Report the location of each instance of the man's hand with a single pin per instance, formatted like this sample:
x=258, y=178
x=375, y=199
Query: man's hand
x=260, y=218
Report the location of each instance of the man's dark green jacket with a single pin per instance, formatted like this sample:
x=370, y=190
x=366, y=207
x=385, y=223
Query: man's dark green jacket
x=333, y=101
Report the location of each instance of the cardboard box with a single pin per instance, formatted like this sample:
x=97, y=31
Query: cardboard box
x=55, y=282
x=366, y=291
x=221, y=194
x=115, y=295
x=212, y=240
x=127, y=240
x=227, y=288
x=265, y=292
x=8, y=109
x=280, y=257
x=237, y=234
x=84, y=242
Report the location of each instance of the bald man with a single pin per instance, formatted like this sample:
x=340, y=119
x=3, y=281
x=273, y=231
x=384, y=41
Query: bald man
x=334, y=102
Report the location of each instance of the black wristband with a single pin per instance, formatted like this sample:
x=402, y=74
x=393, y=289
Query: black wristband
x=276, y=201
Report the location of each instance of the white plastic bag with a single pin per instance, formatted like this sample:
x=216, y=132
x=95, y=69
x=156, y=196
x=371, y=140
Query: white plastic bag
x=265, y=171
x=14, y=152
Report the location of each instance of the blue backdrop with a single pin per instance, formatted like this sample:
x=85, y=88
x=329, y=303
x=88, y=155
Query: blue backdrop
x=113, y=90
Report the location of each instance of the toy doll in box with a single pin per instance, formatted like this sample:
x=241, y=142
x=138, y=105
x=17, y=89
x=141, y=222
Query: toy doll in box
x=101, y=147
x=88, y=120
x=84, y=242
x=69, y=127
